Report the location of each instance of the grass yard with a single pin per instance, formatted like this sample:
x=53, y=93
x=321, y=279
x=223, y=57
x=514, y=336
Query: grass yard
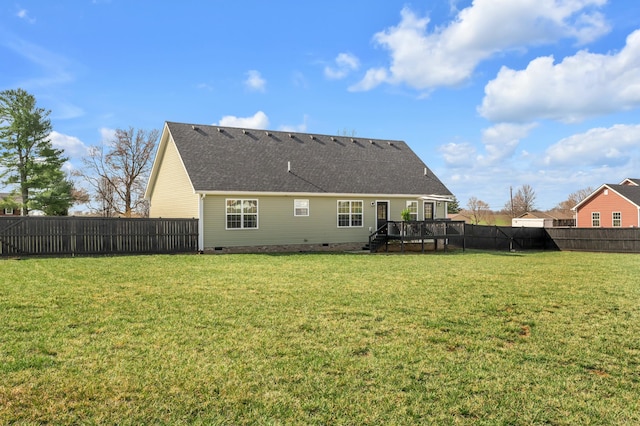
x=457, y=338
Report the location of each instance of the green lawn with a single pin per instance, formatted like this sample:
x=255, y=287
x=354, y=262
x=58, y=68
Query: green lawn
x=456, y=338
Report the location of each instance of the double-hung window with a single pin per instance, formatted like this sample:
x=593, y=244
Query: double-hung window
x=242, y=213
x=412, y=206
x=301, y=207
x=595, y=219
x=349, y=213
x=617, y=219
x=8, y=211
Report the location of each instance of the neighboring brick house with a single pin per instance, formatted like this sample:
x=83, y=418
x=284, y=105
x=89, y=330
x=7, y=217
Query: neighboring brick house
x=611, y=206
x=7, y=210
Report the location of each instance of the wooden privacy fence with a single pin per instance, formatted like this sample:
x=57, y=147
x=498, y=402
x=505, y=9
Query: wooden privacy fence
x=504, y=238
x=95, y=235
x=619, y=240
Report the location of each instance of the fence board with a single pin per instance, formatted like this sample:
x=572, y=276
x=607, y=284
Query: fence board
x=95, y=235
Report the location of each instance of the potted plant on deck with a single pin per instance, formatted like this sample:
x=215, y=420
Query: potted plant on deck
x=406, y=217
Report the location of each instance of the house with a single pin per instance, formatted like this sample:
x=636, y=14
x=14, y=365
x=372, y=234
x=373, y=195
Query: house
x=267, y=190
x=9, y=205
x=538, y=219
x=611, y=206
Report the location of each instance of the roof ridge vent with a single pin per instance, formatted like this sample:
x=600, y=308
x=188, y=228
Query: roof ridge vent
x=333, y=138
x=244, y=131
x=291, y=135
x=371, y=141
x=353, y=140
x=268, y=133
x=312, y=137
x=196, y=128
x=220, y=130
x=390, y=143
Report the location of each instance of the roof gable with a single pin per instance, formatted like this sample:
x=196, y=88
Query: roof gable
x=630, y=181
x=229, y=159
x=630, y=192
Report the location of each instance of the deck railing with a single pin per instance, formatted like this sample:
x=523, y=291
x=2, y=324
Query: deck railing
x=417, y=232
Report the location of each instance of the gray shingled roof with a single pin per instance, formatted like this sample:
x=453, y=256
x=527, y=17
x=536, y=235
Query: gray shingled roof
x=233, y=159
x=628, y=191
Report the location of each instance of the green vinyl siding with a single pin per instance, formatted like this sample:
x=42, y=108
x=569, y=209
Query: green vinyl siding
x=277, y=224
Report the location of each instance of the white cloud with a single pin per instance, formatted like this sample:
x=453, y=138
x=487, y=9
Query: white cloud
x=613, y=146
x=54, y=67
x=583, y=85
x=458, y=155
x=372, y=78
x=65, y=110
x=255, y=82
x=107, y=135
x=71, y=145
x=24, y=14
x=258, y=121
x=345, y=63
x=297, y=128
x=501, y=140
x=500, y=143
x=448, y=55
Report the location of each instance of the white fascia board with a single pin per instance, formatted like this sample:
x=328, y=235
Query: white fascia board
x=434, y=197
x=588, y=197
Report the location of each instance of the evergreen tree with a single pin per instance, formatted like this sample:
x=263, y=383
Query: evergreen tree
x=28, y=161
x=453, y=206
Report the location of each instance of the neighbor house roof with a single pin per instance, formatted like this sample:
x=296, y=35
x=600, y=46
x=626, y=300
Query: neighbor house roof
x=554, y=214
x=631, y=181
x=227, y=159
x=16, y=198
x=630, y=192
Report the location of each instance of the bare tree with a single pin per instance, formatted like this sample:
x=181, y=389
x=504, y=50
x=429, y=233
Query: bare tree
x=117, y=171
x=479, y=210
x=573, y=199
x=523, y=201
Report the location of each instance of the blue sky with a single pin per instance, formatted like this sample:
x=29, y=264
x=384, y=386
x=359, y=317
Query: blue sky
x=491, y=94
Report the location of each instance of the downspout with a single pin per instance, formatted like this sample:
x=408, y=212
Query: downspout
x=201, y=222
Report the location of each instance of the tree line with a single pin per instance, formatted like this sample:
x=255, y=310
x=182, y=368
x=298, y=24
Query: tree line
x=110, y=182
x=519, y=203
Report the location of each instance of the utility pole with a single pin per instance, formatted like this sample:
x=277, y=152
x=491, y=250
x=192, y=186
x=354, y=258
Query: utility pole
x=511, y=198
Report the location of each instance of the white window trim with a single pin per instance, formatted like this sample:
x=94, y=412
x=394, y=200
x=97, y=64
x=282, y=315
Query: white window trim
x=242, y=227
x=297, y=207
x=8, y=211
x=594, y=219
x=350, y=214
x=613, y=220
x=417, y=212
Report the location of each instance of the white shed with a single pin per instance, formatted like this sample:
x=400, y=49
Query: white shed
x=537, y=222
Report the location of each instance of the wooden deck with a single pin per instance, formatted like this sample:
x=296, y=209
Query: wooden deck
x=426, y=234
